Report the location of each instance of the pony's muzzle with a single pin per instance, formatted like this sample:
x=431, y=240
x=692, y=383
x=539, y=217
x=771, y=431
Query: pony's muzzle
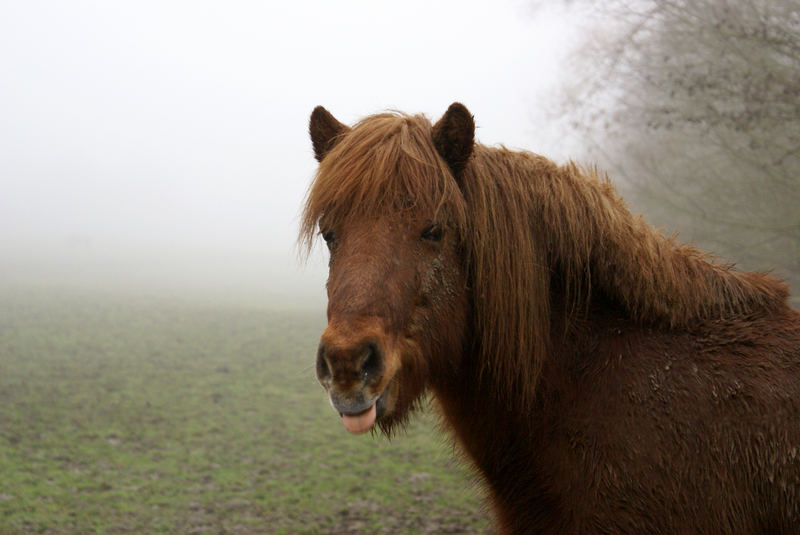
x=350, y=373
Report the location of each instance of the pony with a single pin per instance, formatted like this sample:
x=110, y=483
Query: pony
x=601, y=377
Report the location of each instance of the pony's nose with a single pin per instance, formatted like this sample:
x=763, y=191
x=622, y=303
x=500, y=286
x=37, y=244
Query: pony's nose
x=348, y=367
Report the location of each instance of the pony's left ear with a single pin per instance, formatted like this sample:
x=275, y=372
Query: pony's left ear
x=454, y=137
x=325, y=131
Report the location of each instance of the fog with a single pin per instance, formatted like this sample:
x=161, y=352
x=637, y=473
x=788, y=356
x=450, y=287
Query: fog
x=165, y=145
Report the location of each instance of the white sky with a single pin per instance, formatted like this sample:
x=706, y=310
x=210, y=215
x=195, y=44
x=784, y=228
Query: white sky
x=174, y=133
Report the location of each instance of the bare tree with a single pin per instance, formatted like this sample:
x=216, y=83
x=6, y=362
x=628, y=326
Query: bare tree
x=695, y=105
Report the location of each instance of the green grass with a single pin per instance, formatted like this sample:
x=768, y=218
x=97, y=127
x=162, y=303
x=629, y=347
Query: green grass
x=123, y=414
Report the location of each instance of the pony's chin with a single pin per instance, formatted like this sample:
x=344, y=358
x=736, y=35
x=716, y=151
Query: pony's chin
x=393, y=410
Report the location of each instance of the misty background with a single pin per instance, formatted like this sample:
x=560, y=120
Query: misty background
x=157, y=324
x=164, y=145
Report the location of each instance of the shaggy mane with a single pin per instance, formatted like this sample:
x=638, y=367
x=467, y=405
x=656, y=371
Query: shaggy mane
x=525, y=221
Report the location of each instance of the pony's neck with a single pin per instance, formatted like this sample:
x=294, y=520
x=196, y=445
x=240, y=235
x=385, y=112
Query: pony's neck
x=501, y=435
x=595, y=243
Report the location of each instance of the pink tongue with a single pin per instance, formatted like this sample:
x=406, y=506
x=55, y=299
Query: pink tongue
x=359, y=423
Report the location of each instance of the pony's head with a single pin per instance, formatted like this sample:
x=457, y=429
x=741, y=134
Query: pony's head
x=387, y=202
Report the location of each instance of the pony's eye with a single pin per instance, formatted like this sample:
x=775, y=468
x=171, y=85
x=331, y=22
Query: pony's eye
x=433, y=232
x=329, y=237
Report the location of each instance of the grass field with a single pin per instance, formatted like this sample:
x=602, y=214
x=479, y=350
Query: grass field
x=122, y=414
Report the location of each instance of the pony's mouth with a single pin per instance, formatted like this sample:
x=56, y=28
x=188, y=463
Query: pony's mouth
x=361, y=422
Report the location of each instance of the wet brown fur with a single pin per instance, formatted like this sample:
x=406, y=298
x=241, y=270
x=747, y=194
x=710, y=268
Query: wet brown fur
x=602, y=377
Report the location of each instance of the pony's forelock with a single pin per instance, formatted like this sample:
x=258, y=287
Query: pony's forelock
x=387, y=163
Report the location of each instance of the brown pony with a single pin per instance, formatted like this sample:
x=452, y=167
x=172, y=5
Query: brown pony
x=601, y=377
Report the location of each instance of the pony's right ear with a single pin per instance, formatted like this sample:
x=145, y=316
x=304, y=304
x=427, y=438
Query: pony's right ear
x=325, y=131
x=454, y=137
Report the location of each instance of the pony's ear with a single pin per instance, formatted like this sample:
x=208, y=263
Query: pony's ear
x=454, y=137
x=325, y=131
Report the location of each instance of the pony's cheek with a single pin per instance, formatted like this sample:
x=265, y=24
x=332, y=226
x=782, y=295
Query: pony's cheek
x=429, y=283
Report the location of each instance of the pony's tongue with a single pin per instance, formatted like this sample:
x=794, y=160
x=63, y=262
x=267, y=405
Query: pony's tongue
x=359, y=423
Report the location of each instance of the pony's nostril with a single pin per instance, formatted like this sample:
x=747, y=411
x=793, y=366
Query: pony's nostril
x=323, y=370
x=372, y=365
